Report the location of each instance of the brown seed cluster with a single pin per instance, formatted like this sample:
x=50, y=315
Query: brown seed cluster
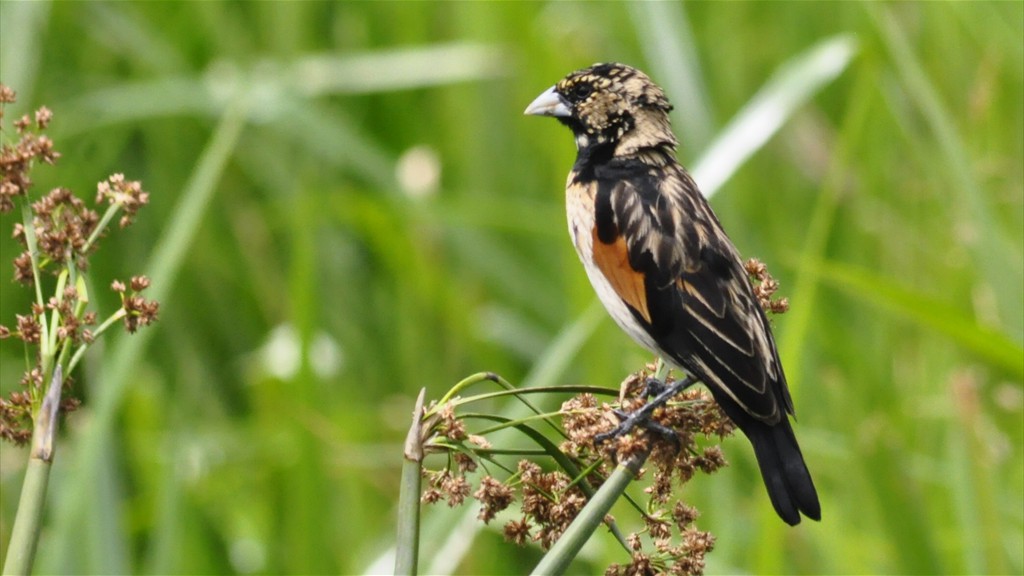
x=447, y=485
x=677, y=546
x=549, y=500
x=684, y=558
x=137, y=310
x=62, y=225
x=129, y=195
x=16, y=409
x=494, y=497
x=57, y=232
x=671, y=543
x=16, y=412
x=16, y=160
x=765, y=287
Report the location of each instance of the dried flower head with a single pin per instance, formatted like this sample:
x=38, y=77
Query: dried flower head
x=7, y=96
x=15, y=418
x=128, y=194
x=681, y=445
x=517, y=531
x=43, y=117
x=57, y=233
x=452, y=427
x=137, y=310
x=494, y=497
x=765, y=287
x=444, y=484
x=17, y=159
x=63, y=225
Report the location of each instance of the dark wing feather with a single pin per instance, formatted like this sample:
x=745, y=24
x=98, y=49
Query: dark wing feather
x=699, y=305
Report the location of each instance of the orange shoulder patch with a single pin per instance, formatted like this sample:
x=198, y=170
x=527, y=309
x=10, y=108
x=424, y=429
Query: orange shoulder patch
x=613, y=261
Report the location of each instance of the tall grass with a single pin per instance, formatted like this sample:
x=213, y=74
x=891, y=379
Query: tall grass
x=315, y=290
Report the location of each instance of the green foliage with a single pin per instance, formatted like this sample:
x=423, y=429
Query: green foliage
x=259, y=426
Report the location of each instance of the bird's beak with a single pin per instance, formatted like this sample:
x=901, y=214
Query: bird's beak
x=549, y=103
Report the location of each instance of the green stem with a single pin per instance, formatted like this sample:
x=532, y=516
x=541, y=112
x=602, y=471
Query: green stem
x=593, y=514
x=33, y=251
x=114, y=318
x=470, y=381
x=408, y=543
x=21, y=551
x=50, y=347
x=107, y=217
x=45, y=349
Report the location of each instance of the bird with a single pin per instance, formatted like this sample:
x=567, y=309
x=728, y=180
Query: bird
x=665, y=270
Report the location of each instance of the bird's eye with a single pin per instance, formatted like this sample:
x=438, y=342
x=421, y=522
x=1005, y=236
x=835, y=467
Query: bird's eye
x=581, y=91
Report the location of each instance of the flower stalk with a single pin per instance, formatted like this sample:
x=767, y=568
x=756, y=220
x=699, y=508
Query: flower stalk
x=25, y=534
x=58, y=232
x=408, y=541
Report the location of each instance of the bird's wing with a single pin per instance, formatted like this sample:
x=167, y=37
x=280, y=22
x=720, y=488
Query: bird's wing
x=665, y=254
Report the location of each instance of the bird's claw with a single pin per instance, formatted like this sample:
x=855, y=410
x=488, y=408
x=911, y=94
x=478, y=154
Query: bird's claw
x=653, y=387
x=641, y=418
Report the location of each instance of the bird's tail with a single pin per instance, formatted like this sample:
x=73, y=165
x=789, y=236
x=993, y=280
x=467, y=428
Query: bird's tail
x=783, y=469
x=785, y=474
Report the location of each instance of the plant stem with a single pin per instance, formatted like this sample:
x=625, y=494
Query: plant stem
x=593, y=514
x=407, y=546
x=80, y=352
x=25, y=535
x=107, y=217
x=576, y=535
x=22, y=549
x=33, y=251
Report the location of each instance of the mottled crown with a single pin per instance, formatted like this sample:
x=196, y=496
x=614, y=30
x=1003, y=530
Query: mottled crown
x=619, y=79
x=616, y=103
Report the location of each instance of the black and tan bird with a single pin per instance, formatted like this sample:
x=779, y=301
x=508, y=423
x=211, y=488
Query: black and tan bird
x=665, y=269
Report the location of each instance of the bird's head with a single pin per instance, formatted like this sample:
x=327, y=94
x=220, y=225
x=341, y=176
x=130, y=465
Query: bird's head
x=609, y=105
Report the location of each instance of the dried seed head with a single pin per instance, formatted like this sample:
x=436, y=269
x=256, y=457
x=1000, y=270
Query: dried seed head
x=128, y=194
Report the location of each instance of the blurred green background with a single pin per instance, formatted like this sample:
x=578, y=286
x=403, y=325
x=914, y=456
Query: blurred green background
x=348, y=205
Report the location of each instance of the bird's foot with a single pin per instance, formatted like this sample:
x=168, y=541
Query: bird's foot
x=659, y=394
x=653, y=387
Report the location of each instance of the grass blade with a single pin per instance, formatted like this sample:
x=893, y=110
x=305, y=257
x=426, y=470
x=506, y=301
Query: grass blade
x=987, y=343
x=671, y=49
x=998, y=255
x=168, y=257
x=792, y=85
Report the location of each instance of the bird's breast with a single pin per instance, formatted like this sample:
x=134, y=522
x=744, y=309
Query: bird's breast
x=579, y=203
